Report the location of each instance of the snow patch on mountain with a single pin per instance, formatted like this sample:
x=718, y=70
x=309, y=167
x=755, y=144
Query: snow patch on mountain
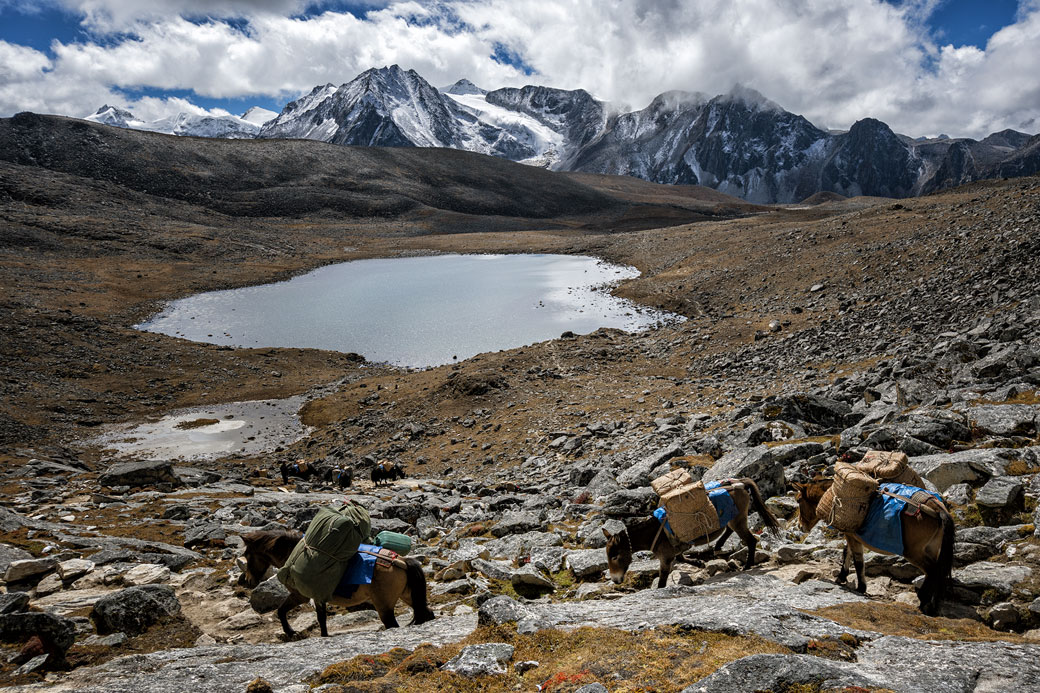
x=185, y=124
x=258, y=116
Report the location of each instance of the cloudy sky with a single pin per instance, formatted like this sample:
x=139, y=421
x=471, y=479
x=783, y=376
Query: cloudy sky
x=926, y=67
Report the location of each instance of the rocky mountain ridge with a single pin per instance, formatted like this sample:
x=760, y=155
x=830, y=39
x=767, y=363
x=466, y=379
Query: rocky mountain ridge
x=739, y=143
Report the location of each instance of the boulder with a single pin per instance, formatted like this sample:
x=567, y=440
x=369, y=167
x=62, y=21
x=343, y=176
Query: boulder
x=627, y=502
x=493, y=570
x=757, y=463
x=205, y=534
x=501, y=609
x=1003, y=492
x=135, y=609
x=1004, y=419
x=268, y=595
x=944, y=470
x=529, y=576
x=806, y=408
x=776, y=672
x=519, y=521
x=29, y=569
x=52, y=630
x=485, y=659
x=639, y=473
x=587, y=563
x=74, y=568
x=140, y=473
x=13, y=602
x=146, y=574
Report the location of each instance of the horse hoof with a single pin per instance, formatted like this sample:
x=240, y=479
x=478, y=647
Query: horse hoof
x=292, y=637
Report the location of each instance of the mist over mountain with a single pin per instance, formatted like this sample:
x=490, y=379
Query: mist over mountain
x=739, y=143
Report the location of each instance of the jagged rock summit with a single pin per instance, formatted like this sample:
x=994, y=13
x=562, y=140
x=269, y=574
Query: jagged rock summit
x=740, y=143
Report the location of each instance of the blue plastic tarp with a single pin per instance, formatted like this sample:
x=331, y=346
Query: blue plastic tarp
x=883, y=528
x=359, y=571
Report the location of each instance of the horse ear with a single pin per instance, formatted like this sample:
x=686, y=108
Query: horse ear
x=607, y=534
x=798, y=488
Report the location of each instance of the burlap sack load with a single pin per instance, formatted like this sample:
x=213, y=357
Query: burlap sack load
x=844, y=505
x=890, y=467
x=691, y=514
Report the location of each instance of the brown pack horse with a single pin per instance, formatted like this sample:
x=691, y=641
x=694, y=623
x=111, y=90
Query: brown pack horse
x=927, y=543
x=404, y=581
x=645, y=534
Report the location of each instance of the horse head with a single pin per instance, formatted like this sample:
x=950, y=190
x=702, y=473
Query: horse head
x=258, y=558
x=808, y=496
x=619, y=554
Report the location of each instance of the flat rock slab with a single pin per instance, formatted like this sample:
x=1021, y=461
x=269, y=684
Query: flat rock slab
x=740, y=604
x=904, y=665
x=230, y=668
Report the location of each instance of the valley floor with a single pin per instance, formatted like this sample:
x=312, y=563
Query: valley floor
x=909, y=325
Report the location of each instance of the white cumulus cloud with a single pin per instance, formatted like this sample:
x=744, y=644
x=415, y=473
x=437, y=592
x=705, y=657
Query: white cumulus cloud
x=834, y=61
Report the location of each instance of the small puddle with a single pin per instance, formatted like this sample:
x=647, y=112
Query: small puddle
x=206, y=433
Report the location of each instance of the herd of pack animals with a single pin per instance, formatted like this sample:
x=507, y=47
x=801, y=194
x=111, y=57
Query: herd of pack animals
x=927, y=531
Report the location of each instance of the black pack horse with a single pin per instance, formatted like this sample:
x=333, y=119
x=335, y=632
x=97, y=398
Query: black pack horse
x=404, y=581
x=341, y=477
x=386, y=472
x=646, y=534
x=300, y=468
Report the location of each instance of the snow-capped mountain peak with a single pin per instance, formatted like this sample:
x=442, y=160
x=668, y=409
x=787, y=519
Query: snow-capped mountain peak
x=464, y=87
x=258, y=116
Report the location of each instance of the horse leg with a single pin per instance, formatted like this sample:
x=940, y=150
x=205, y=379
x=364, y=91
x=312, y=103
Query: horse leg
x=722, y=539
x=294, y=600
x=843, y=571
x=321, y=609
x=666, y=569
x=749, y=539
x=856, y=549
x=387, y=616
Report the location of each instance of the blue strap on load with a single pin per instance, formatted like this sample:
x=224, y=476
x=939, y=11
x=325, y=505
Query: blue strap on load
x=662, y=516
x=883, y=527
x=723, y=502
x=359, y=571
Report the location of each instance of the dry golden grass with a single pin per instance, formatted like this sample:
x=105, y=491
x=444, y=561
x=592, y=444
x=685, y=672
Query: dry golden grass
x=665, y=659
x=900, y=619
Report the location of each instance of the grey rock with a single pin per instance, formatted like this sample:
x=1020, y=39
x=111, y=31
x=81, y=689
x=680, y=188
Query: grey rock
x=991, y=577
x=1006, y=492
x=772, y=672
x=13, y=602
x=32, y=665
x=9, y=554
x=135, y=609
x=593, y=688
x=530, y=576
x=958, y=494
x=140, y=473
x=757, y=463
x=1004, y=419
x=268, y=595
x=501, y=609
x=493, y=570
x=993, y=537
x=602, y=484
x=485, y=659
x=587, y=563
x=551, y=559
x=206, y=534
x=74, y=568
x=19, y=627
x=29, y=569
x=518, y=521
x=628, y=502
x=944, y=470
x=639, y=473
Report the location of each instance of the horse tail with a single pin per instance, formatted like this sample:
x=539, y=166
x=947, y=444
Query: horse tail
x=417, y=585
x=944, y=562
x=760, y=507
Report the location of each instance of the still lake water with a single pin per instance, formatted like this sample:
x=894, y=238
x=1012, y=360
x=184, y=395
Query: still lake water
x=415, y=312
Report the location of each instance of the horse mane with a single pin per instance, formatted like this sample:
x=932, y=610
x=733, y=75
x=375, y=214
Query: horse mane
x=815, y=489
x=267, y=540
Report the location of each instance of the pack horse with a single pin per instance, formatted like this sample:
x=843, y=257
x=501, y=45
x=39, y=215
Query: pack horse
x=649, y=534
